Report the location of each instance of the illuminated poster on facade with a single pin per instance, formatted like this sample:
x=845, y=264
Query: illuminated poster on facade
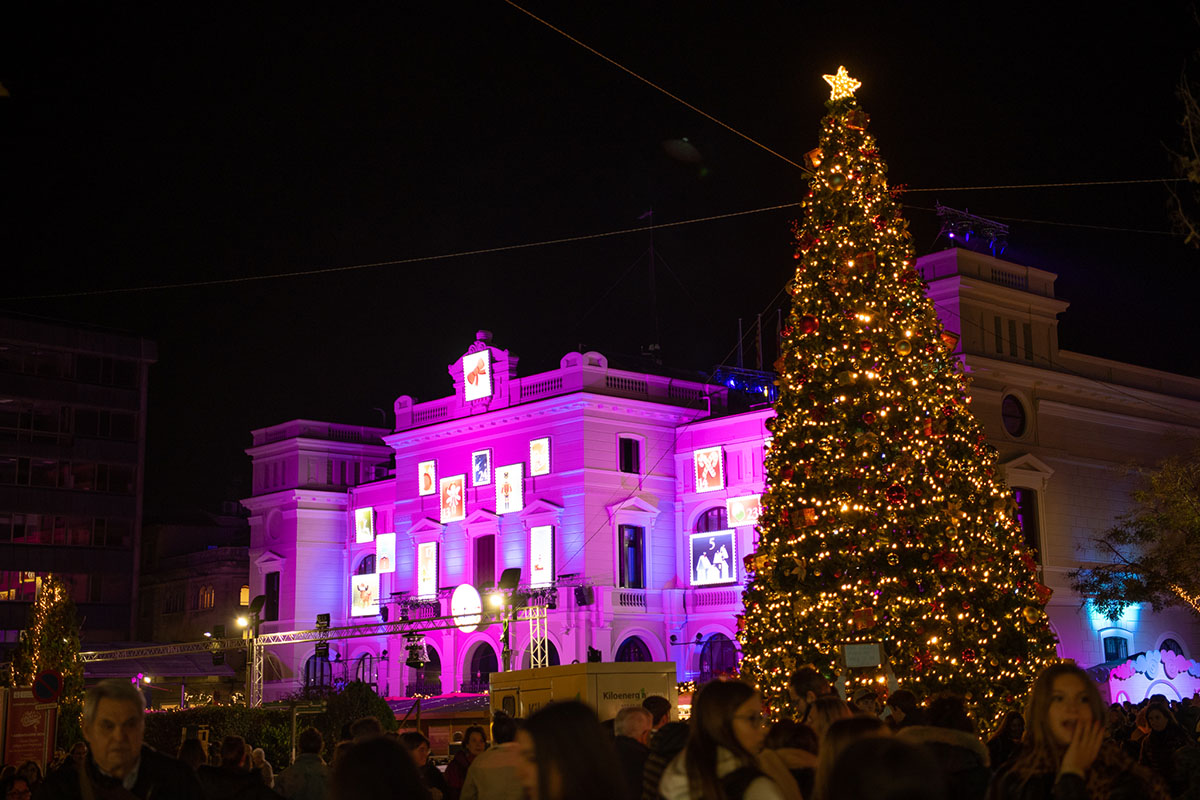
x=541, y=555
x=539, y=456
x=364, y=525
x=510, y=488
x=427, y=477
x=481, y=467
x=743, y=510
x=427, y=569
x=712, y=557
x=710, y=471
x=364, y=595
x=454, y=498
x=385, y=552
x=477, y=375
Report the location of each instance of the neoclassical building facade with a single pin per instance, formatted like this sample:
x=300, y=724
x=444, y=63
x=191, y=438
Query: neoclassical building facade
x=627, y=499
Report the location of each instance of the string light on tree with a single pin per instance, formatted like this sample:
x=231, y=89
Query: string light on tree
x=51, y=642
x=884, y=521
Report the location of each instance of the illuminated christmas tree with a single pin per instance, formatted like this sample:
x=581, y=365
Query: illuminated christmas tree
x=51, y=642
x=884, y=521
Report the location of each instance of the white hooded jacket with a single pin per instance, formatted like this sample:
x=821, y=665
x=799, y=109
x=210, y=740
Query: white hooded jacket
x=674, y=783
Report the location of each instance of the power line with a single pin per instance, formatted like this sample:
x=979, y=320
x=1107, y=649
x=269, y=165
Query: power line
x=658, y=88
x=400, y=261
x=1046, y=185
x=1062, y=224
x=542, y=243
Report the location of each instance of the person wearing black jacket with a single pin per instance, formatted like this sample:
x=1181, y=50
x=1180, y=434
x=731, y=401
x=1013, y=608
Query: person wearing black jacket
x=118, y=764
x=632, y=727
x=233, y=780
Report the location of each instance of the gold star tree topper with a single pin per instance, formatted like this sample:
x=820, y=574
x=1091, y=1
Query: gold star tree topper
x=842, y=84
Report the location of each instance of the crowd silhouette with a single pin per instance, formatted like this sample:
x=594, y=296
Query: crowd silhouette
x=1066, y=745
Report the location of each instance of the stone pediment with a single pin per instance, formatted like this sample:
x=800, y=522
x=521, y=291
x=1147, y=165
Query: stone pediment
x=1027, y=470
x=426, y=530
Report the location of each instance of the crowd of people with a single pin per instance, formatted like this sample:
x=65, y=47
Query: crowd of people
x=1068, y=745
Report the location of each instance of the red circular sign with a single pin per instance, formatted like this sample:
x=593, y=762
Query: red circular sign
x=47, y=686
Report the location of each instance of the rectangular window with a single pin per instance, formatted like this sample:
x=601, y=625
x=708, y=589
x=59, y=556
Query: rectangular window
x=120, y=533
x=271, y=607
x=630, y=456
x=1027, y=342
x=1027, y=517
x=485, y=561
x=999, y=335
x=120, y=479
x=632, y=557
x=122, y=426
x=43, y=472
x=1116, y=648
x=1012, y=338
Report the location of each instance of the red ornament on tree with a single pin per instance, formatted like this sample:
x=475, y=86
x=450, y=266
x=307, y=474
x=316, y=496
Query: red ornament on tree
x=896, y=494
x=808, y=324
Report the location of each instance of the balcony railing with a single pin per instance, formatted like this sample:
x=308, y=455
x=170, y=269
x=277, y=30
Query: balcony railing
x=476, y=686
x=426, y=687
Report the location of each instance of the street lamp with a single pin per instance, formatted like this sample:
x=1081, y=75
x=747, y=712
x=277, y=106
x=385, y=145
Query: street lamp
x=509, y=580
x=254, y=660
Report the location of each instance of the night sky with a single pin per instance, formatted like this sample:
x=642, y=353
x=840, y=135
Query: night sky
x=161, y=146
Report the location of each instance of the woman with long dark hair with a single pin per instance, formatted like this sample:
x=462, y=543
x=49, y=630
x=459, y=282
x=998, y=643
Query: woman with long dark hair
x=1006, y=742
x=564, y=754
x=1065, y=754
x=724, y=757
x=1159, y=746
x=379, y=768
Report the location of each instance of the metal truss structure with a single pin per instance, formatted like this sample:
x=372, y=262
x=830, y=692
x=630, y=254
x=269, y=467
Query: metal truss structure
x=255, y=645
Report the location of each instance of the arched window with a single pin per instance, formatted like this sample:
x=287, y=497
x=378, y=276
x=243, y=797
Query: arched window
x=364, y=669
x=205, y=597
x=428, y=679
x=712, y=520
x=1172, y=645
x=318, y=673
x=717, y=657
x=482, y=664
x=366, y=566
x=551, y=656
x=244, y=595
x=633, y=649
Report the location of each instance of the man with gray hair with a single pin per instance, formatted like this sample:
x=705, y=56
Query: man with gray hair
x=632, y=727
x=118, y=764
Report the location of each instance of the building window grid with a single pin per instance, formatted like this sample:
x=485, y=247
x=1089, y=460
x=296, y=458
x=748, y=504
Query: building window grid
x=1116, y=648
x=48, y=529
x=1027, y=518
x=632, y=557
x=629, y=458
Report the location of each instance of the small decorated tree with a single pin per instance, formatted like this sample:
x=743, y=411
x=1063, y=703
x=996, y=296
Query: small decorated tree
x=884, y=524
x=51, y=642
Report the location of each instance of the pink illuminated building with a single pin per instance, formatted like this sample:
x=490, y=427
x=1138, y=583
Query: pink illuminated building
x=627, y=500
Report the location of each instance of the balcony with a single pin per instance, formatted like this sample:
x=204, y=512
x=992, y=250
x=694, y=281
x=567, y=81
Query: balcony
x=425, y=687
x=476, y=686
